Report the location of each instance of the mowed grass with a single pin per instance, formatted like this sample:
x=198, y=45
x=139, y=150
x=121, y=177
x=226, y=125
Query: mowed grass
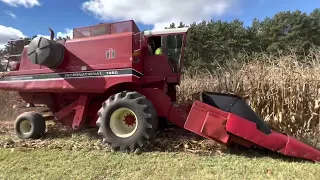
x=174, y=154
x=64, y=164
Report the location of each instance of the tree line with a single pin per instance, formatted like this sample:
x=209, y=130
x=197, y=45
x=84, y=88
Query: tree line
x=213, y=42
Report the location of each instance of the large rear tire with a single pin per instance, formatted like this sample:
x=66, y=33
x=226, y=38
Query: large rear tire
x=30, y=125
x=127, y=120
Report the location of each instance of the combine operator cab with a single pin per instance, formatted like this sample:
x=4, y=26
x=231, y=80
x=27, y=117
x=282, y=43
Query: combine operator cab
x=169, y=43
x=164, y=53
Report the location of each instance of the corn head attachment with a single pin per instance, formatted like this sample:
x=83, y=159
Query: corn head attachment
x=228, y=119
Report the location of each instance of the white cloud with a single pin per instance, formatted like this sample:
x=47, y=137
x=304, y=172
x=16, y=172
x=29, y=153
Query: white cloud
x=159, y=13
x=25, y=3
x=67, y=32
x=9, y=13
x=45, y=36
x=7, y=33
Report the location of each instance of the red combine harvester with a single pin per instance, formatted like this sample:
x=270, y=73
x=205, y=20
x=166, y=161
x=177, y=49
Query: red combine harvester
x=109, y=76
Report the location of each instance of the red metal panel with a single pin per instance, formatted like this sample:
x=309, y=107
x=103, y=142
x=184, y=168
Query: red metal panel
x=160, y=100
x=105, y=28
x=135, y=28
x=159, y=66
x=198, y=116
x=81, y=111
x=90, y=53
x=66, y=110
x=100, y=29
x=71, y=69
x=137, y=59
x=214, y=126
x=298, y=149
x=177, y=115
x=124, y=26
x=81, y=32
x=250, y=132
x=121, y=27
x=93, y=50
x=84, y=85
x=165, y=108
x=238, y=140
x=26, y=64
x=275, y=141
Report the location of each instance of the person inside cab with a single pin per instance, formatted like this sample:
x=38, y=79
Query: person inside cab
x=153, y=43
x=158, y=51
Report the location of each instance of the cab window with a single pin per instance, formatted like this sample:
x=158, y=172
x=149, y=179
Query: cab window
x=174, y=50
x=171, y=46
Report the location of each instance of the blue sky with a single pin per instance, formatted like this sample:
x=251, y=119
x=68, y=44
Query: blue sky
x=61, y=14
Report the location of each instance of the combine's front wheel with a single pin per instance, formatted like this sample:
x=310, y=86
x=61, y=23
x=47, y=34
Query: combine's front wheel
x=30, y=125
x=127, y=120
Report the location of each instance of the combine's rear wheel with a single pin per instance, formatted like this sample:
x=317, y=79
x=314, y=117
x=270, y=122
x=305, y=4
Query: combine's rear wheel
x=30, y=125
x=127, y=121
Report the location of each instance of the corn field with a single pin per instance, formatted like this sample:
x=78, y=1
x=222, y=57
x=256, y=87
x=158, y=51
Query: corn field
x=284, y=91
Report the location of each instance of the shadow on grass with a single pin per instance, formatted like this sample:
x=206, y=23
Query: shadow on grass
x=253, y=153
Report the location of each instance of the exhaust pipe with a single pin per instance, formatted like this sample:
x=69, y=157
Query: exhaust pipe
x=51, y=34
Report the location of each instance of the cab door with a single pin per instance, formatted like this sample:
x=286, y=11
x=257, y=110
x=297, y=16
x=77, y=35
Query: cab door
x=138, y=42
x=172, y=47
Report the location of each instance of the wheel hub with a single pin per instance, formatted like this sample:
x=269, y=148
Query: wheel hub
x=25, y=127
x=123, y=122
x=129, y=120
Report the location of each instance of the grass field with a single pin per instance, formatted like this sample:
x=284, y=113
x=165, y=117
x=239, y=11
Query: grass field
x=64, y=164
x=172, y=155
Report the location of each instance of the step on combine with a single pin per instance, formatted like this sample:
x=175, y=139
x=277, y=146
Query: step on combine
x=109, y=76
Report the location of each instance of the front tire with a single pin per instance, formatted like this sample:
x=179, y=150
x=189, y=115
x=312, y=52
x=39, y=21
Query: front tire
x=127, y=120
x=29, y=125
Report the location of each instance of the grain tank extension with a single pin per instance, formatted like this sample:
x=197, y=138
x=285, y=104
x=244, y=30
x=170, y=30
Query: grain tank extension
x=109, y=76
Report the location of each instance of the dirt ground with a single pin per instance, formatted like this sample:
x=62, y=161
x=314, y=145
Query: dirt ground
x=11, y=105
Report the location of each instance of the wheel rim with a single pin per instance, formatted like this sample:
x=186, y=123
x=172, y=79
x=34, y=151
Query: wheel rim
x=25, y=127
x=123, y=122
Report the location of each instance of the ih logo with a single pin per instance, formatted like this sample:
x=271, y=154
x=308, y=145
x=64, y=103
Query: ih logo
x=111, y=53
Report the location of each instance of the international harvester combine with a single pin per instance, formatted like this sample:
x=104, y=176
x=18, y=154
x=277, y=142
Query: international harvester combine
x=111, y=76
